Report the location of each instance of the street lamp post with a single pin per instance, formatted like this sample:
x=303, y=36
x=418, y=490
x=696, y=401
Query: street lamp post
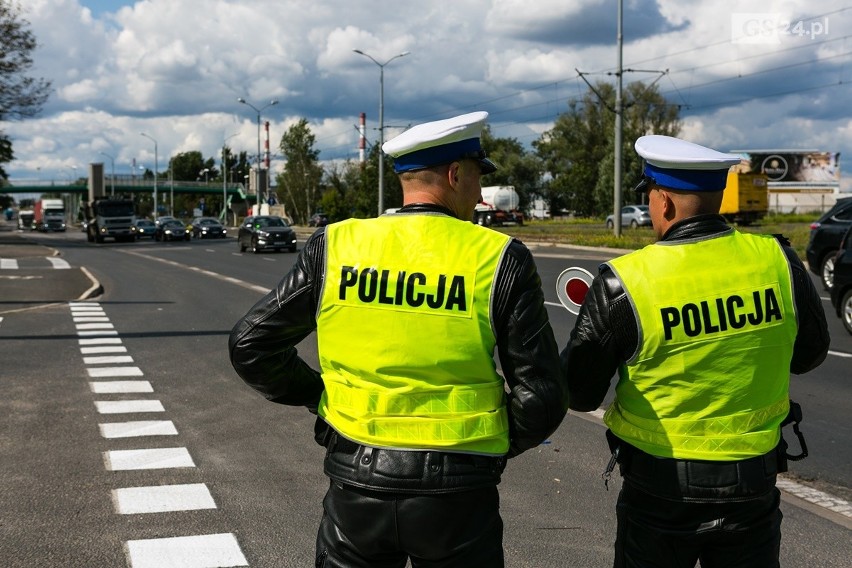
x=112, y=177
x=258, y=111
x=156, y=167
x=381, y=120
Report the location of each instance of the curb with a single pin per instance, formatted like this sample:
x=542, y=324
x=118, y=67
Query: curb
x=96, y=290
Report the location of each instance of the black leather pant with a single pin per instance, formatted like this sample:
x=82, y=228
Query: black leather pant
x=370, y=529
x=654, y=532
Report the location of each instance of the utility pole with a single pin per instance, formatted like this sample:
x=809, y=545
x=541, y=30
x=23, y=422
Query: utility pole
x=618, y=110
x=616, y=218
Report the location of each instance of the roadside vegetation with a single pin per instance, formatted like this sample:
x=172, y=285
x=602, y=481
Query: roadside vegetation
x=593, y=233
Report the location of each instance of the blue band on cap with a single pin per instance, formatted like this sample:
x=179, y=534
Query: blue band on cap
x=688, y=180
x=428, y=157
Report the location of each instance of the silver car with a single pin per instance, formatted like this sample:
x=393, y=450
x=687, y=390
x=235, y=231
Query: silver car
x=632, y=215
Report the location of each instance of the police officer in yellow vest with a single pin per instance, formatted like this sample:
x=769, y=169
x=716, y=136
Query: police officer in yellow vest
x=409, y=309
x=703, y=328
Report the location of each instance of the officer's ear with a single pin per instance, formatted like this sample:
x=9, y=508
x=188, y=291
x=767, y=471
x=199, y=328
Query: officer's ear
x=453, y=174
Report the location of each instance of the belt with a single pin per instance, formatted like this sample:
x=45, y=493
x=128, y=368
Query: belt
x=412, y=471
x=698, y=480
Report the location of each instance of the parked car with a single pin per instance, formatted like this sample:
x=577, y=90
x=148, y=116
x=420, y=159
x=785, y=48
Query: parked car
x=266, y=232
x=145, y=228
x=841, y=291
x=318, y=220
x=171, y=230
x=632, y=215
x=824, y=240
x=208, y=228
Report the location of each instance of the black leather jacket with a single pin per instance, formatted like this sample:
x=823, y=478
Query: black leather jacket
x=262, y=350
x=606, y=332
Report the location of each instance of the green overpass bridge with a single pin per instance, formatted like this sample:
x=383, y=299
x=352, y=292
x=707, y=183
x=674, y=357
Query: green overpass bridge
x=130, y=187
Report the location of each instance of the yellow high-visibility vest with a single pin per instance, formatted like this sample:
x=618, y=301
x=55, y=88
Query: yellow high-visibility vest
x=710, y=379
x=406, y=344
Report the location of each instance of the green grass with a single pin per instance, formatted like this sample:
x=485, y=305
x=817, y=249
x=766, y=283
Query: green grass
x=593, y=233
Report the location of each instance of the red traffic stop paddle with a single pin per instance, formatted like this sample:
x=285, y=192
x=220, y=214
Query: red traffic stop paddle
x=571, y=287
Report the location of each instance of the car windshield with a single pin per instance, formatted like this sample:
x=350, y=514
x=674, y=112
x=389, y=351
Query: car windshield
x=145, y=223
x=208, y=222
x=269, y=222
x=173, y=223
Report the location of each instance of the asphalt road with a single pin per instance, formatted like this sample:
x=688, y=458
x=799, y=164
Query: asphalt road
x=183, y=465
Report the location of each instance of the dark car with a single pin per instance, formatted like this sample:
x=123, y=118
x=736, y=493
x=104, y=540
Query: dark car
x=171, y=230
x=145, y=228
x=208, y=228
x=318, y=220
x=825, y=237
x=632, y=215
x=841, y=292
x=266, y=232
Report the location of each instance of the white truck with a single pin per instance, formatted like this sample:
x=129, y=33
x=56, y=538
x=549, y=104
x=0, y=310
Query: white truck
x=499, y=206
x=49, y=215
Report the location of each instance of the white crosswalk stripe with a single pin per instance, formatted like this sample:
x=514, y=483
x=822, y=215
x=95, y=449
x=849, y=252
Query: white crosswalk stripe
x=202, y=551
x=158, y=458
x=162, y=499
x=137, y=428
x=99, y=342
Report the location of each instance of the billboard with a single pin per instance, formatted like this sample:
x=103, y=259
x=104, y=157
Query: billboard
x=794, y=166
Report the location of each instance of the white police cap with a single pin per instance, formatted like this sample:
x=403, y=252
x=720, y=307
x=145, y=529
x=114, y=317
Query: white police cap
x=440, y=142
x=681, y=165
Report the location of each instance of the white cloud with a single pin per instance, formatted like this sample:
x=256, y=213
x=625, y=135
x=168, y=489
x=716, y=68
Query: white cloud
x=174, y=69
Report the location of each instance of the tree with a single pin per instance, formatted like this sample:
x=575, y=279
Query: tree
x=6, y=155
x=187, y=166
x=515, y=166
x=578, y=152
x=299, y=183
x=21, y=96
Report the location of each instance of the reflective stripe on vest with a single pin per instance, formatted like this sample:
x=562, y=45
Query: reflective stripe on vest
x=405, y=338
x=710, y=379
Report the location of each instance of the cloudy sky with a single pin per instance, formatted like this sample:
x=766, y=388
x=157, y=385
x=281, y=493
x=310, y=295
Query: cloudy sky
x=772, y=74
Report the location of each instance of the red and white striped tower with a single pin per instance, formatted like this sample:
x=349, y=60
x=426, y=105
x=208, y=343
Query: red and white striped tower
x=266, y=146
x=362, y=139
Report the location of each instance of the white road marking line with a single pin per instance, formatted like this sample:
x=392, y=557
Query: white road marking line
x=107, y=359
x=87, y=309
x=8, y=264
x=160, y=458
x=100, y=341
x=137, y=428
x=201, y=551
x=81, y=326
x=840, y=354
x=162, y=499
x=128, y=406
x=83, y=304
x=101, y=372
x=816, y=497
x=254, y=287
x=103, y=349
x=58, y=263
x=96, y=333
x=113, y=387
x=599, y=413
x=90, y=319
